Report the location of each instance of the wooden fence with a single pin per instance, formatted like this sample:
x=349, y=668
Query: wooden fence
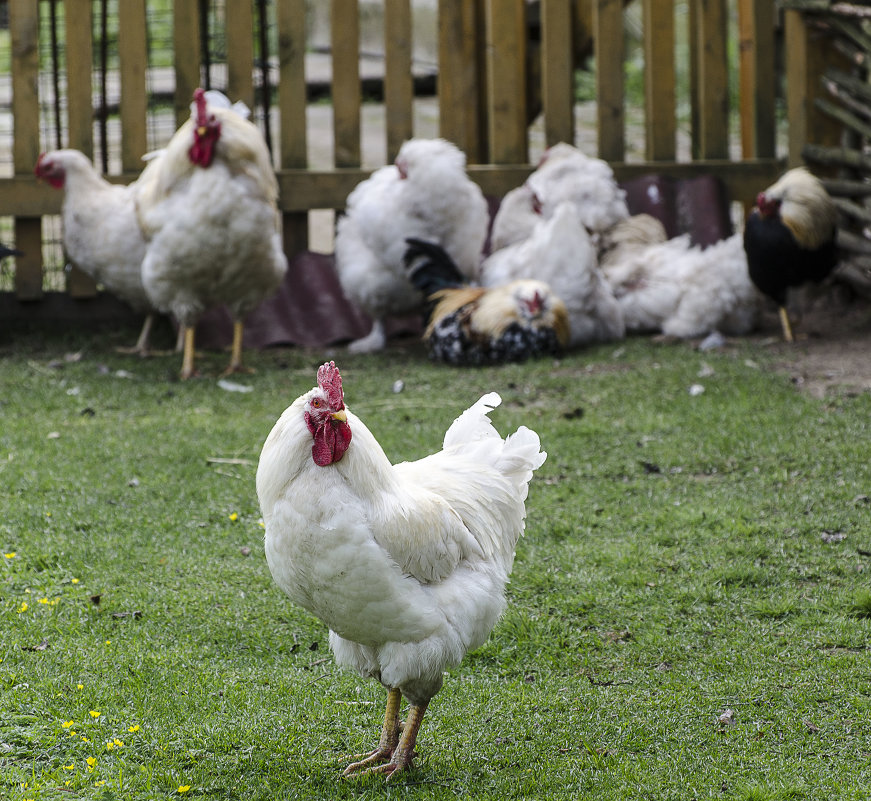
x=486, y=58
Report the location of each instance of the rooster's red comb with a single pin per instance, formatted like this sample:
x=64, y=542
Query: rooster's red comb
x=330, y=382
x=200, y=100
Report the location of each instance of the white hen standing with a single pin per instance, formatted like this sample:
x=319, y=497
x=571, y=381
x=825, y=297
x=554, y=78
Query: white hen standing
x=101, y=232
x=208, y=206
x=407, y=564
x=426, y=194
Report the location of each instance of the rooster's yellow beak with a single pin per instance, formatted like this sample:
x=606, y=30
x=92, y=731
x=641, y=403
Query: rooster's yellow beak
x=340, y=416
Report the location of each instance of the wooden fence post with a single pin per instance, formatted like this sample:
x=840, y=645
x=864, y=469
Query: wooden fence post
x=659, y=76
x=398, y=81
x=557, y=71
x=133, y=57
x=711, y=97
x=610, y=83
x=80, y=110
x=345, y=34
x=290, y=18
x=23, y=28
x=186, y=43
x=757, y=78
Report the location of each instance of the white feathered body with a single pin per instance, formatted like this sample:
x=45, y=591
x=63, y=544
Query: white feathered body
x=213, y=231
x=436, y=202
x=101, y=233
x=561, y=253
x=406, y=563
x=683, y=290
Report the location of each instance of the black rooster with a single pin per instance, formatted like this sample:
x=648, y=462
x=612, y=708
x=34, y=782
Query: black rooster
x=790, y=238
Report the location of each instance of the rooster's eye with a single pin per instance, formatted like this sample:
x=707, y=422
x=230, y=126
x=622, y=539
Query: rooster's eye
x=316, y=403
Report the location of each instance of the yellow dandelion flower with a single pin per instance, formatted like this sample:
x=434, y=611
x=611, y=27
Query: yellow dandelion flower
x=80, y=686
x=184, y=788
x=91, y=762
x=74, y=733
x=234, y=517
x=10, y=555
x=134, y=727
x=118, y=743
x=75, y=581
x=69, y=767
x=68, y=724
x=85, y=739
x=100, y=783
x=110, y=745
x=94, y=713
x=23, y=607
x=42, y=601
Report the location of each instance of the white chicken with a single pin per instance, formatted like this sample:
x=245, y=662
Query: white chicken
x=676, y=288
x=101, y=232
x=208, y=207
x=564, y=174
x=425, y=194
x=560, y=252
x=407, y=564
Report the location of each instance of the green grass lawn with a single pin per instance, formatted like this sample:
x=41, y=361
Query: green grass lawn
x=689, y=615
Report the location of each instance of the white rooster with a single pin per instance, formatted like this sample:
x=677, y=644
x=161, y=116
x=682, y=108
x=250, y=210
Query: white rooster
x=425, y=194
x=407, y=564
x=101, y=233
x=208, y=207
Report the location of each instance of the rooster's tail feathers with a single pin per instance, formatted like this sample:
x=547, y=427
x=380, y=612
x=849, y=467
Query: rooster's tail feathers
x=430, y=268
x=474, y=424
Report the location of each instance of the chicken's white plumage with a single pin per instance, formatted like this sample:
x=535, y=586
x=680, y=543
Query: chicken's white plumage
x=425, y=194
x=407, y=564
x=561, y=252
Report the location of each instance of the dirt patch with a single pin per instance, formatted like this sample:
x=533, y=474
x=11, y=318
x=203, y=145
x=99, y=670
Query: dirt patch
x=832, y=351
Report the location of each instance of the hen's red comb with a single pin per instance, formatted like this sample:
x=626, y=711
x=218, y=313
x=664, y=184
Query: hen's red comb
x=200, y=100
x=330, y=382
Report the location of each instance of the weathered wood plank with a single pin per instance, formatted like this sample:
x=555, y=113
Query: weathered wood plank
x=345, y=32
x=240, y=52
x=461, y=82
x=506, y=83
x=79, y=54
x=23, y=29
x=757, y=82
x=186, y=43
x=557, y=71
x=398, y=84
x=610, y=82
x=293, y=145
x=133, y=57
x=711, y=27
x=659, y=81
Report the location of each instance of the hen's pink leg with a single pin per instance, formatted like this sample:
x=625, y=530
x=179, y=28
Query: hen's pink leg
x=389, y=737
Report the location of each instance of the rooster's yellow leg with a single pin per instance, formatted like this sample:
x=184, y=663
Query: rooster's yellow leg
x=187, y=362
x=787, y=328
x=389, y=737
x=235, y=365
x=404, y=753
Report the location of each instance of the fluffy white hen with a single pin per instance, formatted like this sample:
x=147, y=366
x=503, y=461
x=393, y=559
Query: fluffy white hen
x=208, y=207
x=407, y=564
x=560, y=252
x=678, y=289
x=101, y=232
x=564, y=174
x=425, y=194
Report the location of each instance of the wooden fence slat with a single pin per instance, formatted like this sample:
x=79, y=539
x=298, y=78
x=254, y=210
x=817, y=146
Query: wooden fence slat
x=293, y=145
x=610, y=81
x=23, y=29
x=506, y=81
x=133, y=57
x=240, y=52
x=186, y=43
x=659, y=76
x=345, y=33
x=756, y=19
x=461, y=77
x=80, y=114
x=398, y=82
x=708, y=37
x=557, y=71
